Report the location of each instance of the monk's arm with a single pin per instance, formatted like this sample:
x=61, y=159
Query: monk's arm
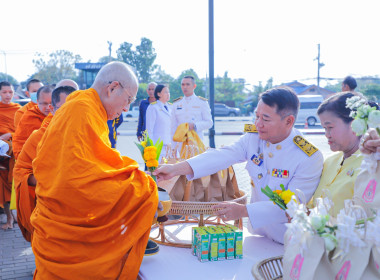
x=32, y=180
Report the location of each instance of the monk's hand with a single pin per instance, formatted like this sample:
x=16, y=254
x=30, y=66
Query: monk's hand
x=370, y=142
x=6, y=136
x=160, y=207
x=191, y=126
x=230, y=211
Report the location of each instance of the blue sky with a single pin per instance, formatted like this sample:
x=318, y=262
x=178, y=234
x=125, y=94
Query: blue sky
x=254, y=40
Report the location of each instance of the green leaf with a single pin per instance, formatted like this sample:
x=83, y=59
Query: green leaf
x=159, y=145
x=282, y=187
x=141, y=148
x=150, y=142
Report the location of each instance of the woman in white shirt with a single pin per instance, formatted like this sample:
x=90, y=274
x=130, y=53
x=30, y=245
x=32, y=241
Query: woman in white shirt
x=158, y=117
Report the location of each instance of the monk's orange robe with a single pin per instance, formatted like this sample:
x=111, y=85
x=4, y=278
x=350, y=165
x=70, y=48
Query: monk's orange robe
x=7, y=112
x=93, y=205
x=30, y=121
x=21, y=112
x=25, y=194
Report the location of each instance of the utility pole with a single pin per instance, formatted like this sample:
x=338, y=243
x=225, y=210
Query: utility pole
x=109, y=49
x=5, y=64
x=211, y=68
x=320, y=64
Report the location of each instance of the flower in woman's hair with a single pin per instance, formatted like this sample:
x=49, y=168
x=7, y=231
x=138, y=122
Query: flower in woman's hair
x=359, y=126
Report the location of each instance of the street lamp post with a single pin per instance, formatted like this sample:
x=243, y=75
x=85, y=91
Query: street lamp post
x=211, y=69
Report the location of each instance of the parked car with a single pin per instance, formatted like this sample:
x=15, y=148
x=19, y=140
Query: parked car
x=308, y=109
x=22, y=102
x=221, y=110
x=132, y=113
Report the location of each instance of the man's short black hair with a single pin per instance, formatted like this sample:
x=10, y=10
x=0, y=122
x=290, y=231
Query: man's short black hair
x=56, y=94
x=284, y=99
x=189, y=77
x=5, y=84
x=32, y=81
x=350, y=82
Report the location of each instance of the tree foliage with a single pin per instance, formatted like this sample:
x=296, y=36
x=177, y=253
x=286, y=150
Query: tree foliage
x=142, y=58
x=57, y=66
x=9, y=78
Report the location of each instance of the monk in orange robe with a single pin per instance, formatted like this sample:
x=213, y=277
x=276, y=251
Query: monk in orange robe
x=24, y=180
x=32, y=86
x=7, y=112
x=32, y=119
x=94, y=207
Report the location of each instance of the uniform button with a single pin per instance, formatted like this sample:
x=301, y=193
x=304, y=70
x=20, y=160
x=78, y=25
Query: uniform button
x=267, y=144
x=278, y=147
x=270, y=154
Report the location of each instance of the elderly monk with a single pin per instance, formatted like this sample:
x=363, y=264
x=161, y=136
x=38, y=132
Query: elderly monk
x=24, y=179
x=32, y=86
x=94, y=207
x=7, y=112
x=32, y=119
x=67, y=82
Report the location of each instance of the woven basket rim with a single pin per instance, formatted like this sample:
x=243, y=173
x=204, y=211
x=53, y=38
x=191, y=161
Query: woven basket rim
x=242, y=193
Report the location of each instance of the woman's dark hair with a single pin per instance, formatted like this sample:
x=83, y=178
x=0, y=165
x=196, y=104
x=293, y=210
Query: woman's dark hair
x=157, y=90
x=336, y=104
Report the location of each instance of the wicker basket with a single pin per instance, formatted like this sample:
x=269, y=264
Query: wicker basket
x=268, y=269
x=197, y=208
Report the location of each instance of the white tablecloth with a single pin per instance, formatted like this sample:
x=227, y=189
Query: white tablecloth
x=179, y=263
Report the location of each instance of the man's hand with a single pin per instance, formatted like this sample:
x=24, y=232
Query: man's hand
x=168, y=171
x=370, y=142
x=6, y=136
x=191, y=126
x=230, y=211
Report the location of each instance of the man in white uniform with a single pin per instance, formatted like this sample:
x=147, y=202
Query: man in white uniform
x=191, y=109
x=276, y=154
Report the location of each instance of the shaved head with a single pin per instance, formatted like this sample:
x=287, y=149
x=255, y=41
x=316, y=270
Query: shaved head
x=67, y=83
x=117, y=86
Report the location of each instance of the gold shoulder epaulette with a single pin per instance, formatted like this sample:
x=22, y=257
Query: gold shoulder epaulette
x=202, y=98
x=155, y=102
x=250, y=128
x=177, y=99
x=304, y=145
x=170, y=103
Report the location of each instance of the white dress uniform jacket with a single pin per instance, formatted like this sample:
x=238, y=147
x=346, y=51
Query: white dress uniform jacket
x=192, y=109
x=282, y=163
x=158, y=122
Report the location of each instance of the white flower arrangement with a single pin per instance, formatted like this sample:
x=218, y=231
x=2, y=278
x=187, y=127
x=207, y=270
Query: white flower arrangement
x=363, y=115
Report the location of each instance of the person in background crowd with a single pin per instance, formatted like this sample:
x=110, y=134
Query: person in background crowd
x=25, y=181
x=349, y=84
x=158, y=118
x=32, y=87
x=141, y=127
x=8, y=110
x=32, y=119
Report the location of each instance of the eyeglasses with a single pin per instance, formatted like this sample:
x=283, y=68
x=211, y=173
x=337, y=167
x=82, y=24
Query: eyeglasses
x=130, y=98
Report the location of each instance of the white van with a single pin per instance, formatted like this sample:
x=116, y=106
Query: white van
x=308, y=109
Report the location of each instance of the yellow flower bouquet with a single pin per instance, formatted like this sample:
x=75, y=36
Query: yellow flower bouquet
x=150, y=152
x=279, y=197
